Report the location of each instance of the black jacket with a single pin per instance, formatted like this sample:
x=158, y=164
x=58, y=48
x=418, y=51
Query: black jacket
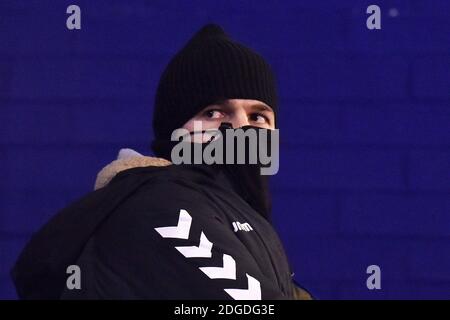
x=167, y=232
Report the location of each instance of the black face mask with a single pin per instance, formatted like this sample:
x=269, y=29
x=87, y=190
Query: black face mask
x=246, y=179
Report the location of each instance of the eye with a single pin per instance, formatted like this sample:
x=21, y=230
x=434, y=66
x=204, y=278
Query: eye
x=259, y=118
x=213, y=114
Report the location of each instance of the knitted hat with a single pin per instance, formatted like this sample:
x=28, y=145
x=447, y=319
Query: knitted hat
x=209, y=68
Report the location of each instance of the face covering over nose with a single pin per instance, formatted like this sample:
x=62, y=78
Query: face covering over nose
x=241, y=155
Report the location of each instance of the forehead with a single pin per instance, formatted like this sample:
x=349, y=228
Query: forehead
x=244, y=103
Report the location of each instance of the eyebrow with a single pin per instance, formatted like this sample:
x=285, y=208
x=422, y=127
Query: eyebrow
x=262, y=107
x=256, y=106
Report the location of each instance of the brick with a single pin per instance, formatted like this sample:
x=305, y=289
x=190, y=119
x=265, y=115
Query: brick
x=9, y=254
x=76, y=122
x=308, y=123
x=431, y=76
x=289, y=27
x=390, y=124
x=111, y=123
x=357, y=290
x=429, y=260
x=408, y=33
x=339, y=168
x=6, y=70
x=396, y=124
x=26, y=211
x=395, y=215
x=342, y=258
x=430, y=169
x=327, y=77
x=66, y=167
x=105, y=28
x=7, y=289
x=395, y=290
x=304, y=213
x=440, y=8
x=127, y=79
x=34, y=124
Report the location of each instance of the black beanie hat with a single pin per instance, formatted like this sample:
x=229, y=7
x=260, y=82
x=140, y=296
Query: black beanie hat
x=209, y=68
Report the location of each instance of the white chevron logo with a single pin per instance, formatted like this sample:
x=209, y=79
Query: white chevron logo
x=203, y=250
x=180, y=231
x=252, y=293
x=228, y=271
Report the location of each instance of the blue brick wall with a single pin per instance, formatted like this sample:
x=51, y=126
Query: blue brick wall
x=364, y=117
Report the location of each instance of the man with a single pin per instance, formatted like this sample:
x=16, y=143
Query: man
x=156, y=230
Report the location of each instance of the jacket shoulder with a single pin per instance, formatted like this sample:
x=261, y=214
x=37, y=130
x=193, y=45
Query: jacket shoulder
x=162, y=197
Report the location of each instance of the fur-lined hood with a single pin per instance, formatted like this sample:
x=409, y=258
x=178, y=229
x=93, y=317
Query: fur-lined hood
x=126, y=159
